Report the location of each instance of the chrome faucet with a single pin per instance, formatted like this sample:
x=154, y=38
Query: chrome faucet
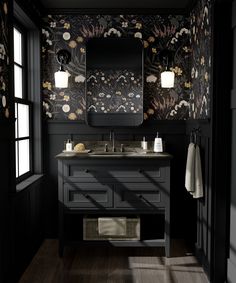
x=112, y=139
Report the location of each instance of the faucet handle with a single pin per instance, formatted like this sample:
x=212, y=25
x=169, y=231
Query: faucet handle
x=106, y=147
x=111, y=135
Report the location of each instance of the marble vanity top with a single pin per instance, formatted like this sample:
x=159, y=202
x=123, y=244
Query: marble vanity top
x=130, y=150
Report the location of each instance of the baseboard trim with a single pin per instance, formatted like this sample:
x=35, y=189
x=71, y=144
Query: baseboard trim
x=202, y=261
x=231, y=271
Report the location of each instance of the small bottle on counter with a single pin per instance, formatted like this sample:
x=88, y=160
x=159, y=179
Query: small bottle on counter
x=69, y=145
x=158, y=145
x=144, y=144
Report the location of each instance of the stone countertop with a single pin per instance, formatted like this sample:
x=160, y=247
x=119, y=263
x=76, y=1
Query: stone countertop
x=110, y=155
x=132, y=149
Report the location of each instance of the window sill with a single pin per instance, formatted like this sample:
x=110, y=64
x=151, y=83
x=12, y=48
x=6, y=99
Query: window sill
x=29, y=181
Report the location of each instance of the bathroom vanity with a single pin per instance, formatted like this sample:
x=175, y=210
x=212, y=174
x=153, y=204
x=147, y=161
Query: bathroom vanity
x=131, y=186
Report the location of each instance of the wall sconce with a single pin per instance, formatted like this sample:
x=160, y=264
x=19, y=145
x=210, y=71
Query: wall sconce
x=167, y=76
x=61, y=77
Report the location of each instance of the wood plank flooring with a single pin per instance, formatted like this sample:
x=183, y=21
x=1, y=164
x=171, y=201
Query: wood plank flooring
x=113, y=265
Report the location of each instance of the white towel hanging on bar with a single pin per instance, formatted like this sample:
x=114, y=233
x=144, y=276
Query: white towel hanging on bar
x=190, y=168
x=198, y=184
x=193, y=174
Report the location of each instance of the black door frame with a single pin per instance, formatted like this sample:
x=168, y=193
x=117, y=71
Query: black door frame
x=221, y=137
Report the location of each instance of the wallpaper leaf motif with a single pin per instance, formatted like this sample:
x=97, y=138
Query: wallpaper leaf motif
x=4, y=61
x=201, y=60
x=157, y=32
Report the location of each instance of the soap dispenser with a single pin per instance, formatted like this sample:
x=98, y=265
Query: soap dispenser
x=158, y=146
x=69, y=145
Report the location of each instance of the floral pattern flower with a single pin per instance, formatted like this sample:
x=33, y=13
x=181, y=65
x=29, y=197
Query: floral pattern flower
x=151, y=79
x=138, y=26
x=47, y=85
x=112, y=32
x=178, y=71
x=53, y=24
x=79, y=39
x=72, y=44
x=66, y=35
x=72, y=116
x=80, y=79
x=66, y=25
x=138, y=35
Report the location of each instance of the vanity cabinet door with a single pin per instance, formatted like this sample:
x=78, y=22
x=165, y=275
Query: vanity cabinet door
x=88, y=195
x=138, y=196
x=138, y=173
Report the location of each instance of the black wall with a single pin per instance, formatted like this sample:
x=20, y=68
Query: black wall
x=20, y=210
x=204, y=205
x=4, y=200
x=232, y=238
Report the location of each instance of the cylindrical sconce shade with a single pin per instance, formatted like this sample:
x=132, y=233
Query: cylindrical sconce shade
x=167, y=79
x=61, y=79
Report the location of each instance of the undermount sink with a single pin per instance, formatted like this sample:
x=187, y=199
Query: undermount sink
x=111, y=153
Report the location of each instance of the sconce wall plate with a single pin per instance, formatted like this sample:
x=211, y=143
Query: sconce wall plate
x=63, y=57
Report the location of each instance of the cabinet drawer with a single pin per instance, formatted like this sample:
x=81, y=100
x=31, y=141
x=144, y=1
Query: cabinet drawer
x=85, y=195
x=87, y=173
x=80, y=171
x=138, y=196
x=139, y=172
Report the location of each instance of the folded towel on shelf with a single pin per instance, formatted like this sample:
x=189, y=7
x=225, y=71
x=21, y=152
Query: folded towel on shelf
x=190, y=169
x=112, y=226
x=198, y=184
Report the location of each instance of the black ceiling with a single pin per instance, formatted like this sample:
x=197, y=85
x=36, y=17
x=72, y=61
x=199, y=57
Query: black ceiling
x=118, y=4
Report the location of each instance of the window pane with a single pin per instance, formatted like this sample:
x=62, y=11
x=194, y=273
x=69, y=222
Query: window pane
x=23, y=120
x=16, y=122
x=18, y=81
x=17, y=46
x=24, y=161
x=17, y=161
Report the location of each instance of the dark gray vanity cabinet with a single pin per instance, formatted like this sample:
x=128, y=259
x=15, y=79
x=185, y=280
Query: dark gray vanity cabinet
x=121, y=187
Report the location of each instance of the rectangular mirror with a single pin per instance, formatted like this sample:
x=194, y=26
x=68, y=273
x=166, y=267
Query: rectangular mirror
x=114, y=82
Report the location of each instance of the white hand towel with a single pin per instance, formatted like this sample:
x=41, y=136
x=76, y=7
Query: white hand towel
x=190, y=169
x=198, y=185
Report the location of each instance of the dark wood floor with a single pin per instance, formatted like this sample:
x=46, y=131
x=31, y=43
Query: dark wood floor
x=113, y=265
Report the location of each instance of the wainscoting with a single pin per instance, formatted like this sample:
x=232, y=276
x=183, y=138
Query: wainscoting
x=204, y=205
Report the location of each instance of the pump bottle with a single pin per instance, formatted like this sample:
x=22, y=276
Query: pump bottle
x=158, y=146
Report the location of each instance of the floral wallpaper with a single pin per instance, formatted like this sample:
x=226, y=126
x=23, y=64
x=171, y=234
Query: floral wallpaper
x=200, y=39
x=4, y=60
x=121, y=91
x=157, y=33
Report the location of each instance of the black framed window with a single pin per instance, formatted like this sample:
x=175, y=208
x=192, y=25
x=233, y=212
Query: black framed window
x=23, y=107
